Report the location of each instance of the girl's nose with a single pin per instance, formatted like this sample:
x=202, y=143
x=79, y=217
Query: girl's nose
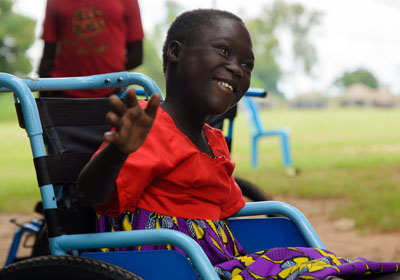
x=234, y=67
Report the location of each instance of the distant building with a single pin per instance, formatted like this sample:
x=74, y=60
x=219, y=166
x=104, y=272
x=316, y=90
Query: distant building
x=364, y=96
x=358, y=95
x=309, y=101
x=384, y=98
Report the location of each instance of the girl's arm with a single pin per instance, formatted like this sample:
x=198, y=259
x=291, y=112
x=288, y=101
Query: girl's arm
x=131, y=123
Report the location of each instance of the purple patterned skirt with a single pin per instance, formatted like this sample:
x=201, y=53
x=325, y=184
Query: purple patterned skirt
x=231, y=261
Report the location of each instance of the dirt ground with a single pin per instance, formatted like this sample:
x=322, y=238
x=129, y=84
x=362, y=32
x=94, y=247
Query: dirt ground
x=338, y=236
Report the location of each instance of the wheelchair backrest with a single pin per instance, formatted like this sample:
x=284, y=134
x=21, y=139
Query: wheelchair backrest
x=73, y=130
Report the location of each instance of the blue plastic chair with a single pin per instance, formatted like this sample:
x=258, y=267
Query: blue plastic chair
x=258, y=131
x=294, y=230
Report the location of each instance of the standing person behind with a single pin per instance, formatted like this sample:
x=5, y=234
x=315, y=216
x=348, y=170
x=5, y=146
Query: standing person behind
x=87, y=37
x=163, y=167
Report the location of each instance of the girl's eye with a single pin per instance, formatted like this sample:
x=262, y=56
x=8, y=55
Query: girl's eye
x=248, y=66
x=224, y=50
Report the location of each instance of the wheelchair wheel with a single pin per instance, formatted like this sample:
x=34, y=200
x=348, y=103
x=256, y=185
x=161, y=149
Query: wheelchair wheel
x=251, y=191
x=65, y=268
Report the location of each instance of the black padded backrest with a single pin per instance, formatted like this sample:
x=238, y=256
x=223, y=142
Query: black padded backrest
x=68, y=121
x=73, y=130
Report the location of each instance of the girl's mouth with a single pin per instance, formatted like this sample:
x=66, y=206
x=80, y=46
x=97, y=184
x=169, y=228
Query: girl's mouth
x=224, y=84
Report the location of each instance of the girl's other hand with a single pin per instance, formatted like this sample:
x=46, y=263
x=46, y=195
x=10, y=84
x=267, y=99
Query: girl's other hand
x=130, y=122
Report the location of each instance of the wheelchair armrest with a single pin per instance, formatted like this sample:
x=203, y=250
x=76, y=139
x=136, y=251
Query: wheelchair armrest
x=61, y=244
x=281, y=208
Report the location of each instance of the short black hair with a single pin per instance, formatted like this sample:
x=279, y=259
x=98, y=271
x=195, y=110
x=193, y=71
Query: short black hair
x=186, y=26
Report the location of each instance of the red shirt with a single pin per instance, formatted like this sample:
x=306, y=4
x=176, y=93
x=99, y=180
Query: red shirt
x=169, y=175
x=91, y=36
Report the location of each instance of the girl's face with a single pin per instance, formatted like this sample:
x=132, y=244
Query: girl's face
x=216, y=66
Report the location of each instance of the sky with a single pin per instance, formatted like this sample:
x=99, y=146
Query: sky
x=352, y=34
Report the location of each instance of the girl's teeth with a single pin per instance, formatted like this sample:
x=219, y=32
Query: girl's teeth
x=225, y=84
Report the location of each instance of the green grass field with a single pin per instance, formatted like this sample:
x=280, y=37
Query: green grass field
x=18, y=187
x=352, y=154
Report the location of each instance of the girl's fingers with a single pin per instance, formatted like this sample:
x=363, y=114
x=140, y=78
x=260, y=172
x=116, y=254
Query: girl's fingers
x=131, y=100
x=117, y=106
x=152, y=105
x=114, y=120
x=129, y=120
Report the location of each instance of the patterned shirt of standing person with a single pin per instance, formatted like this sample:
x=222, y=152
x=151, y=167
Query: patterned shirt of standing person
x=154, y=181
x=92, y=37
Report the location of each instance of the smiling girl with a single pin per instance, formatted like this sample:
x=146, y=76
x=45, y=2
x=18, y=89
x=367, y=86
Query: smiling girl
x=163, y=167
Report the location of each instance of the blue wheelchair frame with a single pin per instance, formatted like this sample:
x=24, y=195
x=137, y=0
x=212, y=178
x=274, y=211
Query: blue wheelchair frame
x=32, y=228
x=302, y=233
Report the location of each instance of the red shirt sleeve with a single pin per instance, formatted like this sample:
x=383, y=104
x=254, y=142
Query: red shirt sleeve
x=133, y=21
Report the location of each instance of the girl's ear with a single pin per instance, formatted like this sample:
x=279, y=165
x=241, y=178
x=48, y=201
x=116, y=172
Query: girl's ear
x=173, y=51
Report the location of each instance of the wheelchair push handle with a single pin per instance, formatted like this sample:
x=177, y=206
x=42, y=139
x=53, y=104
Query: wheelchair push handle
x=256, y=92
x=101, y=81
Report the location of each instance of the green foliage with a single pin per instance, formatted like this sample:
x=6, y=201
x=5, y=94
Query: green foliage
x=266, y=49
x=360, y=75
x=265, y=30
x=16, y=36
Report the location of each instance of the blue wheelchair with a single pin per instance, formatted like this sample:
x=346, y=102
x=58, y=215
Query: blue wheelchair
x=70, y=129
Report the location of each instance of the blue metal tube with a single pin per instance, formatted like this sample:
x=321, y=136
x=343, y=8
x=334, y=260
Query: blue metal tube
x=148, y=84
x=33, y=227
x=193, y=250
x=256, y=92
x=101, y=81
x=33, y=127
x=277, y=207
x=12, y=253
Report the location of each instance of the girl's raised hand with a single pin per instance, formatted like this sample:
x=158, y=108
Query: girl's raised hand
x=130, y=122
